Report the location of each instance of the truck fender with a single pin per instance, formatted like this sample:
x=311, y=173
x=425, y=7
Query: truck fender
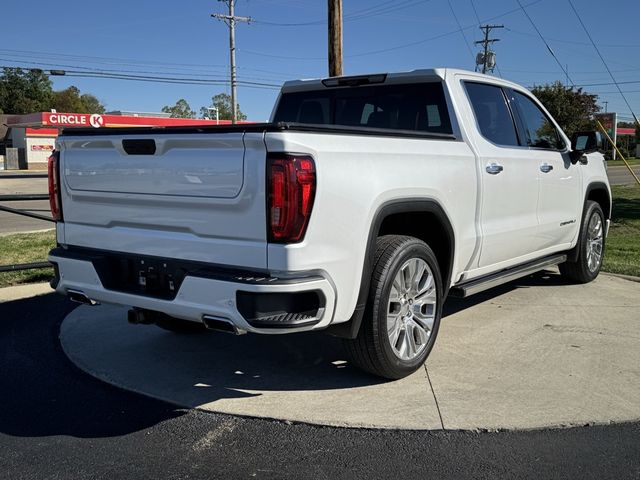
x=350, y=328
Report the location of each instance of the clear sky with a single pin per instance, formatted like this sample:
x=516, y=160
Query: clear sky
x=288, y=40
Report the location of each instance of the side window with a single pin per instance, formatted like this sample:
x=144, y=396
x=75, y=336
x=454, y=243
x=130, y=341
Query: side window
x=433, y=116
x=492, y=113
x=366, y=113
x=539, y=130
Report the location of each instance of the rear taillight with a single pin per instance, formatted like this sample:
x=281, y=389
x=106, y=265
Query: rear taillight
x=54, y=187
x=291, y=190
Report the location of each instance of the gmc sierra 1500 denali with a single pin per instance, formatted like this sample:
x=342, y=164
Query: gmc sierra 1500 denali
x=357, y=210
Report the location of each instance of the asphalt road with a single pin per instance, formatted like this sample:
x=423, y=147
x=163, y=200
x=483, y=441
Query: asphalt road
x=620, y=175
x=56, y=422
x=12, y=223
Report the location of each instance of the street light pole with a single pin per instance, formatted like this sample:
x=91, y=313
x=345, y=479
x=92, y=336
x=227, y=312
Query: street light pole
x=217, y=113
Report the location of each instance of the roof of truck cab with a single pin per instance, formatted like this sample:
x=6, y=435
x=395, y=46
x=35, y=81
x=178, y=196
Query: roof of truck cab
x=415, y=75
x=399, y=77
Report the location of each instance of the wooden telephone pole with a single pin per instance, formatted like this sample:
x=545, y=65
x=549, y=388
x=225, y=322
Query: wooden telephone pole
x=335, y=38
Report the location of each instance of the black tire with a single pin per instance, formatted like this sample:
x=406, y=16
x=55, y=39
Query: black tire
x=371, y=350
x=179, y=326
x=579, y=271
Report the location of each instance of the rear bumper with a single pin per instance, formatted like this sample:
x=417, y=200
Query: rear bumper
x=253, y=303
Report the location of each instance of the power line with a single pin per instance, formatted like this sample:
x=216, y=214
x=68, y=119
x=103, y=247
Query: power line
x=603, y=62
x=158, y=79
x=284, y=57
x=373, y=11
x=546, y=44
x=437, y=37
x=106, y=71
x=393, y=8
x=396, y=47
x=574, y=42
x=171, y=81
x=129, y=62
x=460, y=29
x=609, y=83
x=96, y=70
x=475, y=12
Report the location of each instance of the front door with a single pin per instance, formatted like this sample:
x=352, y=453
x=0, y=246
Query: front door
x=509, y=179
x=559, y=204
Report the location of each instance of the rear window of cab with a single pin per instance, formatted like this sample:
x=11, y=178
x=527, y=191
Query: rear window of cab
x=420, y=107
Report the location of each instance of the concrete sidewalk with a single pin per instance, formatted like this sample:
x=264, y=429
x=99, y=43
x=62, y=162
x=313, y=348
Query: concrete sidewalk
x=535, y=353
x=17, y=292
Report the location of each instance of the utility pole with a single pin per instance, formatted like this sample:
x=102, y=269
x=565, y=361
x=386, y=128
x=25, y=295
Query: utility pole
x=335, y=38
x=231, y=20
x=488, y=58
x=606, y=103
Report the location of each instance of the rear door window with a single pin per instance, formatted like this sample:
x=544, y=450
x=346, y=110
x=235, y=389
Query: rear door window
x=492, y=113
x=414, y=107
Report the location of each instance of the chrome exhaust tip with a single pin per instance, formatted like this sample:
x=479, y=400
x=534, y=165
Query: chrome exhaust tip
x=220, y=324
x=80, y=297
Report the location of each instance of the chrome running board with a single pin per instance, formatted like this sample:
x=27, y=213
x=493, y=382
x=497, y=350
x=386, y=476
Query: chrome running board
x=486, y=282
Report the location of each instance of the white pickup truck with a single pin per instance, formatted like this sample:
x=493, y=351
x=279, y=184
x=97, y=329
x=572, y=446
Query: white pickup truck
x=361, y=205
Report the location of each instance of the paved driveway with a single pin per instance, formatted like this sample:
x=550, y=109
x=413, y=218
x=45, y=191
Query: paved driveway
x=57, y=422
x=528, y=355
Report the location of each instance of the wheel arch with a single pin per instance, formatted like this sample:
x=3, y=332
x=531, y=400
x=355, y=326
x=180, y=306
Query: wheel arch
x=598, y=192
x=393, y=218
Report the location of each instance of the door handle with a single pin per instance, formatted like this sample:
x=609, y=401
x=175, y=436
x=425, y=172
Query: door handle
x=494, y=168
x=546, y=168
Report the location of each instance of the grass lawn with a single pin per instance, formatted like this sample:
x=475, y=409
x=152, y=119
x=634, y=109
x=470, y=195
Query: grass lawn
x=26, y=248
x=622, y=253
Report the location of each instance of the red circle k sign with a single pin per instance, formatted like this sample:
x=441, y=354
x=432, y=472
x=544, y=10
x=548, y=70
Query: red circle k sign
x=74, y=120
x=96, y=120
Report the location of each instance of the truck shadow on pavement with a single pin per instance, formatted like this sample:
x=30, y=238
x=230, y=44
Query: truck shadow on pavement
x=545, y=278
x=44, y=394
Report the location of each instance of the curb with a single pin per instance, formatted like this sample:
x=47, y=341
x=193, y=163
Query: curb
x=630, y=278
x=7, y=234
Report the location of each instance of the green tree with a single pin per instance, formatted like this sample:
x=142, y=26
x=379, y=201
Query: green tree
x=181, y=109
x=92, y=104
x=572, y=108
x=24, y=91
x=70, y=100
x=27, y=91
x=222, y=102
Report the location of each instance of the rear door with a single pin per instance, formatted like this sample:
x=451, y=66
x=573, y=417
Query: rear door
x=192, y=196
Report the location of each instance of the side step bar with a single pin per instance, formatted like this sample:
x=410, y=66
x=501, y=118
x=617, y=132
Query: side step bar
x=477, y=285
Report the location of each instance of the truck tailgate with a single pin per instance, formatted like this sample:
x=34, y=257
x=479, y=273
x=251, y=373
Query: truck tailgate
x=192, y=196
